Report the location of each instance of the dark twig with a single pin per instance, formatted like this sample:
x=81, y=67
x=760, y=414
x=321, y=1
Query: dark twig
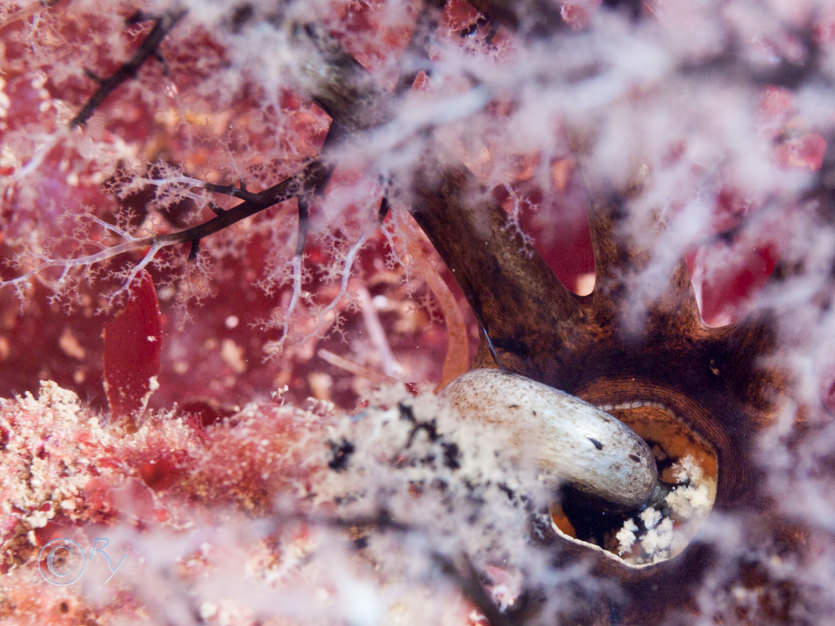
x=304, y=224
x=309, y=181
x=149, y=48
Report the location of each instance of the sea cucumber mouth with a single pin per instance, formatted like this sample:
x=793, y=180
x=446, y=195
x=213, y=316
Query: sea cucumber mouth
x=688, y=471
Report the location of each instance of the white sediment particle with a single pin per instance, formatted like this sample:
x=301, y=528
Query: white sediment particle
x=626, y=536
x=69, y=343
x=153, y=385
x=208, y=610
x=686, y=502
x=5, y=102
x=650, y=517
x=739, y=593
x=687, y=469
x=233, y=355
x=695, y=498
x=658, y=540
x=38, y=519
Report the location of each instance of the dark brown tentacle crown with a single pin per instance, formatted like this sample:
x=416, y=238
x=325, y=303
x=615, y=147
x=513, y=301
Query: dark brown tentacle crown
x=708, y=378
